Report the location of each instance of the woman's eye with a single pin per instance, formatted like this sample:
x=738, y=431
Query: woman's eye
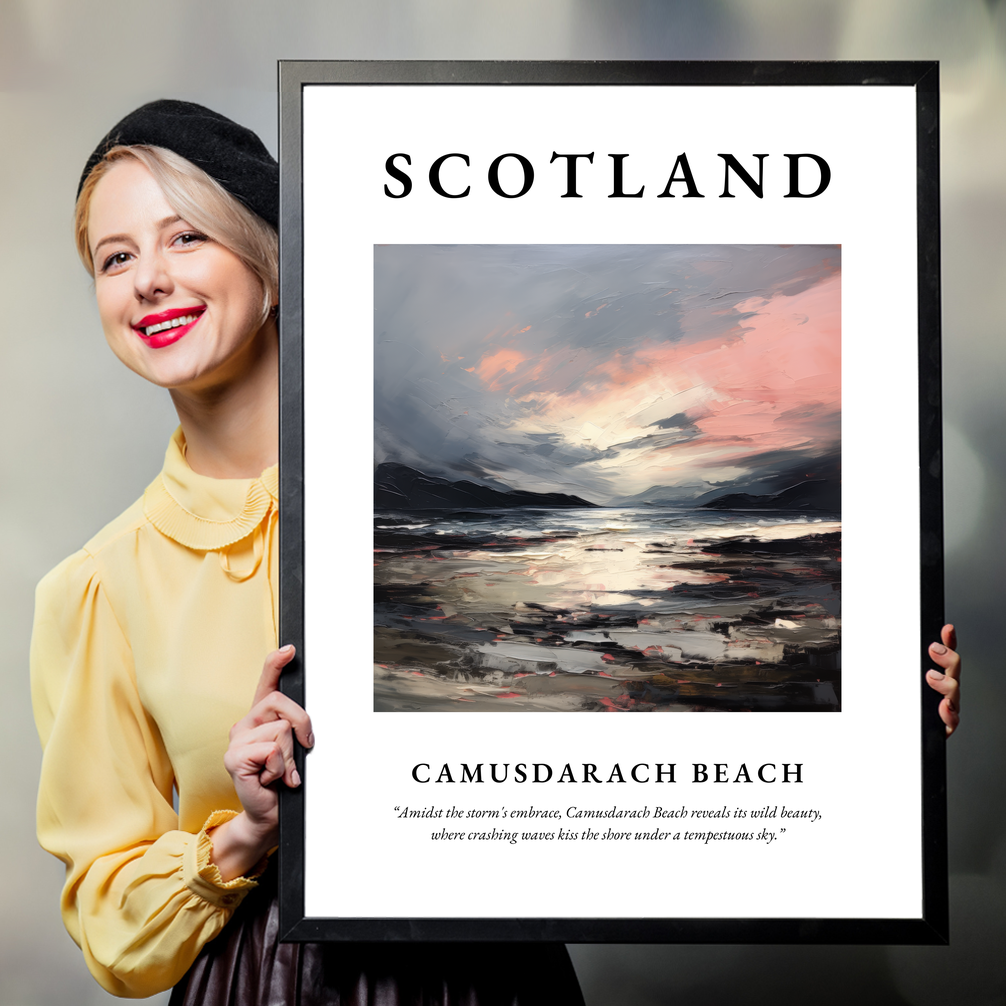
x=190, y=238
x=114, y=261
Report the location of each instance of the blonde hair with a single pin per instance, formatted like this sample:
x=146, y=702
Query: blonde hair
x=199, y=200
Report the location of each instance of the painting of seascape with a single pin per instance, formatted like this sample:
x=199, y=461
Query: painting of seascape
x=607, y=478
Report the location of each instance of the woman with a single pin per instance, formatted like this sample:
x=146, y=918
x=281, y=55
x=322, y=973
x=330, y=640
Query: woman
x=148, y=643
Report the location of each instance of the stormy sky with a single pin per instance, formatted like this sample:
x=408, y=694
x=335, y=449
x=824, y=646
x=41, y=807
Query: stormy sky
x=612, y=372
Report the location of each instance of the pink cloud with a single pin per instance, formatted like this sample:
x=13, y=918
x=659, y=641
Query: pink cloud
x=493, y=367
x=772, y=382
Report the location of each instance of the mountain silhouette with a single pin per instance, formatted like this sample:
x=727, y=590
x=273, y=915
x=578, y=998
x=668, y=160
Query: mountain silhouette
x=399, y=487
x=814, y=494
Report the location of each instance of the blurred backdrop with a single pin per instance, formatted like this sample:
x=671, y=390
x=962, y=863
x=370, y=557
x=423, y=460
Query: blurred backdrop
x=83, y=437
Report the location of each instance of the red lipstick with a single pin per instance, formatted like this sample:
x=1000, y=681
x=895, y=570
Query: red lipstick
x=166, y=327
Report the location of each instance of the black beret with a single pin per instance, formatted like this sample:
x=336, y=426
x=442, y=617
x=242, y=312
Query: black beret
x=231, y=154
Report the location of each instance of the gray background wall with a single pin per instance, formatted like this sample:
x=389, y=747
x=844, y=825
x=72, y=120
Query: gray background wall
x=82, y=436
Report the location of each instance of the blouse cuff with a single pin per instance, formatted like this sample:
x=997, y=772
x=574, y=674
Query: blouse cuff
x=202, y=876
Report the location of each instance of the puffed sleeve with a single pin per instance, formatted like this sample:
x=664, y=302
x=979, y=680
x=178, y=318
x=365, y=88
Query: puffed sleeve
x=141, y=898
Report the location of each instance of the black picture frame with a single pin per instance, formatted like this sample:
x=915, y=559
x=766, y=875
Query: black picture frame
x=932, y=925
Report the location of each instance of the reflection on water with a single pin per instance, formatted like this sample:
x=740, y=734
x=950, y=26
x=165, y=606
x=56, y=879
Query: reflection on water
x=606, y=609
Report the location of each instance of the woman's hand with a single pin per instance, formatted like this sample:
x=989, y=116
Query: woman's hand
x=260, y=753
x=948, y=681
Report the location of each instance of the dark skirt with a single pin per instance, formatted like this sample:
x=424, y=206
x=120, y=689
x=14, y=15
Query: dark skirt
x=246, y=965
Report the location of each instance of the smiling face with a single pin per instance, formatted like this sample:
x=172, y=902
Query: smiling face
x=177, y=307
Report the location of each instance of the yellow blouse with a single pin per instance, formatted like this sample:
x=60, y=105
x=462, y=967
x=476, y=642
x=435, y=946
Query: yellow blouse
x=147, y=647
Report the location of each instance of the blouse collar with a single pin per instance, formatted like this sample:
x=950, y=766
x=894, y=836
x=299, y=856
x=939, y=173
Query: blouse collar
x=203, y=513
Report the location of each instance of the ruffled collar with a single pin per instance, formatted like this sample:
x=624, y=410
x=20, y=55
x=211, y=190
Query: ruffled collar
x=203, y=513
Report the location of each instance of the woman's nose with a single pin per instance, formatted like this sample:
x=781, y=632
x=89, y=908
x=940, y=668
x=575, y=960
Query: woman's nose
x=152, y=277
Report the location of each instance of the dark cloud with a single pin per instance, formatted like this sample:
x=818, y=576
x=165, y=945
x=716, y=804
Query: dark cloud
x=443, y=312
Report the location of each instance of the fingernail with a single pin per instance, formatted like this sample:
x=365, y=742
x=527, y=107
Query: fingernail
x=310, y=740
x=938, y=648
x=295, y=777
x=936, y=675
x=286, y=649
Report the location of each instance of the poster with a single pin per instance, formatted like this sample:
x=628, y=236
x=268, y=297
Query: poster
x=601, y=401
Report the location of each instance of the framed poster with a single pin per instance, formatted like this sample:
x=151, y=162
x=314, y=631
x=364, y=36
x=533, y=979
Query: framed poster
x=611, y=390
